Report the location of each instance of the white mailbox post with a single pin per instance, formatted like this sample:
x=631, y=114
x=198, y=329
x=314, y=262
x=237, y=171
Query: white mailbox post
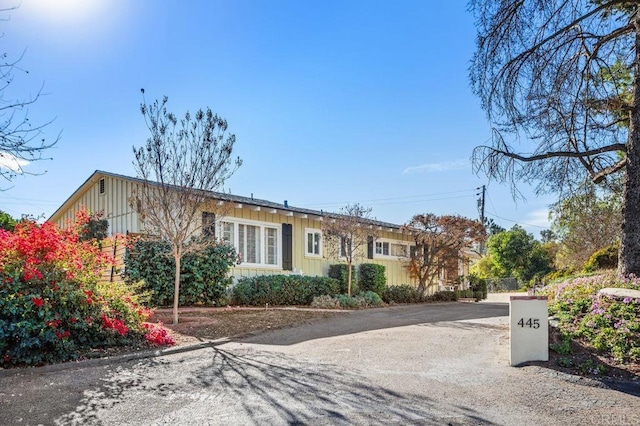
x=529, y=329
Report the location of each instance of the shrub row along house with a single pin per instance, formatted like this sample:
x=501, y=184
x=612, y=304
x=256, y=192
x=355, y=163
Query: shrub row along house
x=270, y=238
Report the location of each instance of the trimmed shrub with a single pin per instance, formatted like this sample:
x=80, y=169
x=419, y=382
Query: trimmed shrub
x=371, y=278
x=466, y=294
x=351, y=302
x=372, y=299
x=203, y=276
x=478, y=286
x=401, y=294
x=52, y=307
x=282, y=290
x=443, y=296
x=340, y=273
x=325, y=302
x=606, y=258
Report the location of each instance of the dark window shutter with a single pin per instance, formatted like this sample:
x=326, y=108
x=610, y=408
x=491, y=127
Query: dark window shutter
x=370, y=247
x=412, y=252
x=209, y=224
x=287, y=247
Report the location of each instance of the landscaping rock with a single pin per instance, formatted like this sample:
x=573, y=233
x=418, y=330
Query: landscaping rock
x=620, y=293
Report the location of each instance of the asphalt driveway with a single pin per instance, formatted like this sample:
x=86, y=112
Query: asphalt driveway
x=420, y=364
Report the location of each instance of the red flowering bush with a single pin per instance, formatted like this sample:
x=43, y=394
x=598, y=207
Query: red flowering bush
x=52, y=305
x=157, y=335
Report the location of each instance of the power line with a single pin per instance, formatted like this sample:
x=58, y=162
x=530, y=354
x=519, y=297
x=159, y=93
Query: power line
x=516, y=221
x=396, y=198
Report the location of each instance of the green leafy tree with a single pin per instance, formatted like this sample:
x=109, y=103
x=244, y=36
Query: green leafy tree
x=96, y=228
x=7, y=222
x=516, y=253
x=547, y=235
x=492, y=227
x=562, y=77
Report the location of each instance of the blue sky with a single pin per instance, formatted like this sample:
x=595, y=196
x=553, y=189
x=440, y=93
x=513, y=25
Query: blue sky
x=332, y=102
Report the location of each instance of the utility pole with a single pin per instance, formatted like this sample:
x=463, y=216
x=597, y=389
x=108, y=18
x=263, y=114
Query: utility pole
x=481, y=202
x=481, y=208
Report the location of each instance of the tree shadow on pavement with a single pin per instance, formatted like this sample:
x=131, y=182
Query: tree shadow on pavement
x=271, y=388
x=377, y=319
x=245, y=386
x=122, y=384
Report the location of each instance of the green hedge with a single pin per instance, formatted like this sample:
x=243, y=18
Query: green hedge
x=282, y=290
x=371, y=277
x=443, y=296
x=478, y=286
x=466, y=294
x=203, y=275
x=401, y=294
x=339, y=272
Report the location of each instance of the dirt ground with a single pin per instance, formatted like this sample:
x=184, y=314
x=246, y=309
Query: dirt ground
x=196, y=324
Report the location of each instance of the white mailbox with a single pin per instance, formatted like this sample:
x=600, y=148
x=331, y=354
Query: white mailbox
x=529, y=329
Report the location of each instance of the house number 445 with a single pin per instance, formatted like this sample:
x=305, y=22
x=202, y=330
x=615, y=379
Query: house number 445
x=531, y=323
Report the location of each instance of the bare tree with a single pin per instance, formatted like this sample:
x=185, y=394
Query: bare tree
x=347, y=234
x=438, y=241
x=179, y=164
x=564, y=77
x=21, y=142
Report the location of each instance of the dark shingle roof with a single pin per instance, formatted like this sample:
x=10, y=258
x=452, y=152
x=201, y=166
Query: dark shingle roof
x=223, y=196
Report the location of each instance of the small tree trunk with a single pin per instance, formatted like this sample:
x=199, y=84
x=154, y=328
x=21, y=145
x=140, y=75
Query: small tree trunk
x=349, y=279
x=629, y=261
x=176, y=287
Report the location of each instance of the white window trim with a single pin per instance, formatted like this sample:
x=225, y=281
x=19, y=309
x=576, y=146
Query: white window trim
x=308, y=231
x=407, y=244
x=263, y=251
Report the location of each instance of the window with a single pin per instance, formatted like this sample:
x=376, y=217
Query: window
x=345, y=246
x=101, y=187
x=257, y=243
x=208, y=224
x=313, y=242
x=391, y=249
x=227, y=233
x=382, y=248
x=271, y=245
x=249, y=243
x=398, y=250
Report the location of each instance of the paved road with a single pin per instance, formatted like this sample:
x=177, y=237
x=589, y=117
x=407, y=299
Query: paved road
x=422, y=364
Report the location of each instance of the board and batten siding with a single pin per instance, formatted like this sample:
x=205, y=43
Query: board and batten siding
x=113, y=203
x=304, y=264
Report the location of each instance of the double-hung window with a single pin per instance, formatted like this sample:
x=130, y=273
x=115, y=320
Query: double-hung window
x=257, y=243
x=313, y=242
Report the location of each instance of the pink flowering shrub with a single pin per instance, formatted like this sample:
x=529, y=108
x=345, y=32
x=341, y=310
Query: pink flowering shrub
x=610, y=325
x=52, y=305
x=157, y=335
